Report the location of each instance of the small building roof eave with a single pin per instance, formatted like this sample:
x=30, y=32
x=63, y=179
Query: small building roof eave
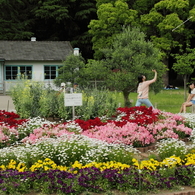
x=2, y=59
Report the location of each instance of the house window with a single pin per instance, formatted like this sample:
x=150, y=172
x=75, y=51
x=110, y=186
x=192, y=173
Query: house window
x=18, y=72
x=51, y=72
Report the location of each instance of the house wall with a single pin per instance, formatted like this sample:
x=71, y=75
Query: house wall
x=1, y=78
x=37, y=73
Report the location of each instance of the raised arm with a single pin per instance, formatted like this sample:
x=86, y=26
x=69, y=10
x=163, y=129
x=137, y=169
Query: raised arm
x=155, y=75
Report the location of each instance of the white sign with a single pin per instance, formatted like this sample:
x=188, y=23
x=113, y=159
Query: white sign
x=73, y=99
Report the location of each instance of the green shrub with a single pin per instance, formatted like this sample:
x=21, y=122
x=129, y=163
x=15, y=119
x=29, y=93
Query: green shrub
x=32, y=99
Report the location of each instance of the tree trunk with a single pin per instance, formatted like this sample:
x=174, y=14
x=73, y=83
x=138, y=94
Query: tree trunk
x=165, y=77
x=185, y=80
x=127, y=102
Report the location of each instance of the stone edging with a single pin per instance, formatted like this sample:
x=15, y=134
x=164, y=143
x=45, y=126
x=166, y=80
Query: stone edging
x=185, y=193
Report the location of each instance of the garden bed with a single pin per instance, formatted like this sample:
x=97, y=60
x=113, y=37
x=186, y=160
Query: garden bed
x=184, y=190
x=104, y=154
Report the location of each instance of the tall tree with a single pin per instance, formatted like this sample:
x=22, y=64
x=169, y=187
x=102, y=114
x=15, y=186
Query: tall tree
x=185, y=65
x=161, y=23
x=129, y=56
x=55, y=20
x=71, y=71
x=112, y=17
x=15, y=19
x=95, y=72
x=66, y=20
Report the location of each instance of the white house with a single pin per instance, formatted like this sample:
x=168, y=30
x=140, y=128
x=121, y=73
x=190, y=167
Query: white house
x=36, y=60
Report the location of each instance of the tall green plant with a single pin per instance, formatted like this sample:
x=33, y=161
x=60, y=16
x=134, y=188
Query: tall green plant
x=25, y=95
x=97, y=103
x=32, y=99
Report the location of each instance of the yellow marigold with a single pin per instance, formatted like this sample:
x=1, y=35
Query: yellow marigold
x=92, y=164
x=13, y=162
x=33, y=168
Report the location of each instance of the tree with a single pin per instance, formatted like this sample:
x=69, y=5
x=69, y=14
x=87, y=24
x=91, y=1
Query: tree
x=161, y=20
x=71, y=71
x=66, y=20
x=95, y=71
x=129, y=56
x=185, y=65
x=53, y=20
x=14, y=23
x=112, y=17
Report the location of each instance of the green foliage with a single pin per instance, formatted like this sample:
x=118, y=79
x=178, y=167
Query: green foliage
x=130, y=56
x=173, y=6
x=185, y=63
x=143, y=6
x=33, y=99
x=95, y=71
x=71, y=71
x=97, y=103
x=111, y=17
x=165, y=25
x=49, y=103
x=14, y=24
x=52, y=9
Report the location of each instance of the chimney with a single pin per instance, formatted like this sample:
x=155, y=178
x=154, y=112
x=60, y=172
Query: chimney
x=33, y=38
x=76, y=51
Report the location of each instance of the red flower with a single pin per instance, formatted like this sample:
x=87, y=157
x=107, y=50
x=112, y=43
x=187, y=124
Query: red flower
x=10, y=119
x=139, y=114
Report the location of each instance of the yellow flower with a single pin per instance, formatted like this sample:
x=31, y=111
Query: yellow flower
x=32, y=168
x=40, y=161
x=21, y=167
x=11, y=165
x=62, y=168
x=190, y=159
x=2, y=167
x=171, y=161
x=46, y=168
x=77, y=165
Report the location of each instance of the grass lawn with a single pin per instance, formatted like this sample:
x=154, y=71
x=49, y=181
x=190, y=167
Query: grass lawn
x=166, y=100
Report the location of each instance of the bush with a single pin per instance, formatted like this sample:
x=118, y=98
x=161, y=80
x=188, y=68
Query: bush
x=32, y=99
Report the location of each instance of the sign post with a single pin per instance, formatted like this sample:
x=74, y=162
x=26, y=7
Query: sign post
x=73, y=99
